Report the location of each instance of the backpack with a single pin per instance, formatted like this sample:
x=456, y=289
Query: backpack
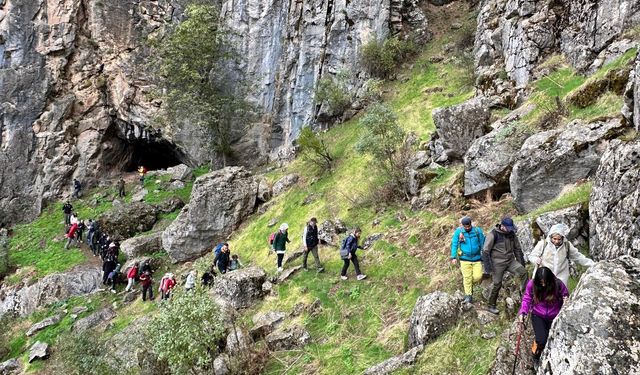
x=344, y=252
x=272, y=237
x=218, y=248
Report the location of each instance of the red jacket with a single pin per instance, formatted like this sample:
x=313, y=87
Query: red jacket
x=72, y=231
x=167, y=285
x=145, y=279
x=132, y=273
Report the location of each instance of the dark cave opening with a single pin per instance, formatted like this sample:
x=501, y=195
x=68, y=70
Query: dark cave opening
x=153, y=155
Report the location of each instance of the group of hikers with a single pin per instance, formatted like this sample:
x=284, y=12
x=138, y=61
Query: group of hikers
x=500, y=251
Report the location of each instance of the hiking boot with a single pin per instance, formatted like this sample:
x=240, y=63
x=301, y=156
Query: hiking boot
x=493, y=310
x=468, y=299
x=320, y=270
x=344, y=277
x=361, y=277
x=279, y=269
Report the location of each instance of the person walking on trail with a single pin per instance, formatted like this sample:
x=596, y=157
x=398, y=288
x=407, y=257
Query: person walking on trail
x=67, y=209
x=71, y=235
x=74, y=218
x=235, y=263
x=555, y=251
x=146, y=267
x=80, y=231
x=223, y=259
x=113, y=277
x=543, y=299
x=503, y=253
x=141, y=172
x=191, y=281
x=107, y=266
x=146, y=280
x=310, y=241
x=167, y=284
x=466, y=245
x=348, y=254
x=120, y=185
x=280, y=243
x=207, y=277
x=77, y=186
x=132, y=274
x=91, y=232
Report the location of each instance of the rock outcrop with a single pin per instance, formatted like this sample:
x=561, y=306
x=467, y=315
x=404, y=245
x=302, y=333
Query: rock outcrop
x=94, y=319
x=433, y=315
x=219, y=202
x=284, y=183
x=505, y=354
x=597, y=330
x=240, y=288
x=395, y=363
x=10, y=367
x=43, y=324
x=125, y=221
x=39, y=350
x=288, y=338
x=23, y=300
x=614, y=202
x=631, y=108
x=142, y=245
x=552, y=160
x=266, y=323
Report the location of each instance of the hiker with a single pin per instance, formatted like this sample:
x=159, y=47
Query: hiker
x=71, y=235
x=235, y=263
x=91, y=232
x=503, y=253
x=146, y=267
x=543, y=299
x=76, y=188
x=113, y=251
x=80, y=231
x=310, y=241
x=348, y=253
x=142, y=171
x=107, y=266
x=166, y=285
x=74, y=218
x=207, y=277
x=146, y=280
x=113, y=277
x=191, y=281
x=67, y=209
x=132, y=274
x=121, y=192
x=280, y=243
x=222, y=259
x=103, y=244
x=555, y=252
x=466, y=244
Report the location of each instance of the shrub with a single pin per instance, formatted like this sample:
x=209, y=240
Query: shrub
x=314, y=149
x=332, y=92
x=81, y=353
x=381, y=58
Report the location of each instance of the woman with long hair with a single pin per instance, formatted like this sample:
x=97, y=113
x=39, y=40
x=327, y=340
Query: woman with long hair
x=543, y=298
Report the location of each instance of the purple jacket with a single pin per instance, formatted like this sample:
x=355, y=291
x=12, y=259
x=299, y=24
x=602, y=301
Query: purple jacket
x=544, y=309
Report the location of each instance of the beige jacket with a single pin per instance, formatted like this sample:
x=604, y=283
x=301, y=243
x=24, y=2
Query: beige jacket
x=545, y=254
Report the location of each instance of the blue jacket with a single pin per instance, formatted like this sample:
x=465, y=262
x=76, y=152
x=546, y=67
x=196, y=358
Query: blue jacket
x=471, y=247
x=350, y=246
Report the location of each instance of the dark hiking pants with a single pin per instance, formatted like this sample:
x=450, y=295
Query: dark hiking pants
x=356, y=265
x=147, y=289
x=280, y=258
x=541, y=327
x=498, y=272
x=314, y=252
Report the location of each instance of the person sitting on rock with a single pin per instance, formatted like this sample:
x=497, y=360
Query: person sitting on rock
x=310, y=242
x=543, y=299
x=280, y=243
x=223, y=258
x=466, y=244
x=191, y=281
x=502, y=249
x=146, y=281
x=555, y=251
x=207, y=277
x=348, y=254
x=132, y=274
x=113, y=277
x=235, y=263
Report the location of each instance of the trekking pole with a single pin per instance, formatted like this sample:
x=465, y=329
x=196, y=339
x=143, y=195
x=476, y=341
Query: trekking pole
x=517, y=351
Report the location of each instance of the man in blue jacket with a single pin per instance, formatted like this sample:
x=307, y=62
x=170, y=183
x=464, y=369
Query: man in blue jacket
x=466, y=244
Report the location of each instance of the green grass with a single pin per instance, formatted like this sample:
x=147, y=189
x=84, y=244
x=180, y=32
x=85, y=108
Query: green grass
x=577, y=195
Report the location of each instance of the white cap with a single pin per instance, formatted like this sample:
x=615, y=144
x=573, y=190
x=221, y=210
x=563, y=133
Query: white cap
x=284, y=226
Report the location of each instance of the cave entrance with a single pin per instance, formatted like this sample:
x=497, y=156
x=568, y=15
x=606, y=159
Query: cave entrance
x=153, y=155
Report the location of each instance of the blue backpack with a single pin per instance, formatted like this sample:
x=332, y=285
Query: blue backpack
x=218, y=249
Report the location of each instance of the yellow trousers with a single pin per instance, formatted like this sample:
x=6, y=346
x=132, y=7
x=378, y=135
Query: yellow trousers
x=471, y=273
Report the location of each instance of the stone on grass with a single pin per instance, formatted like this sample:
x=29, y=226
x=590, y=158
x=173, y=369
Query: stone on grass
x=39, y=350
x=94, y=319
x=288, y=338
x=396, y=363
x=432, y=316
x=43, y=324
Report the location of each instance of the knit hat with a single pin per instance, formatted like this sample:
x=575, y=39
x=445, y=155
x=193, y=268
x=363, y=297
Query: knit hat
x=465, y=220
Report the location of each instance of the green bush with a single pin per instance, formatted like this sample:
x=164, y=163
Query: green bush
x=332, y=92
x=381, y=58
x=81, y=353
x=314, y=149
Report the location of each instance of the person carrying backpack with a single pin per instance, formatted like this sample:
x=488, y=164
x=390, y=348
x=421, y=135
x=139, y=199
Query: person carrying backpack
x=191, y=281
x=146, y=280
x=113, y=277
x=543, y=298
x=67, y=209
x=222, y=259
x=503, y=253
x=554, y=252
x=80, y=231
x=166, y=285
x=348, y=254
x=280, y=243
x=310, y=241
x=107, y=266
x=132, y=274
x=466, y=244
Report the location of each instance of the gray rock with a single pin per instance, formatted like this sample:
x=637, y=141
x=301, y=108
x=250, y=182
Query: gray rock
x=264, y=190
x=615, y=198
x=292, y=256
x=79, y=310
x=39, y=350
x=130, y=296
x=597, y=330
x=433, y=315
x=327, y=233
x=631, y=108
x=266, y=323
x=180, y=173
x=138, y=195
x=552, y=160
x=284, y=184
x=393, y=364
x=287, y=273
x=142, y=245
x=23, y=300
x=505, y=354
x=221, y=365
x=10, y=367
x=93, y=320
x=219, y=202
x=43, y=324
x=169, y=205
x=124, y=222
x=238, y=341
x=273, y=222
x=241, y=288
x=371, y=239
x=288, y=338
x=458, y=126
x=267, y=287
x=176, y=185
x=129, y=350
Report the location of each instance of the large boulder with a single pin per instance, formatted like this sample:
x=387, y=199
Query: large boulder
x=553, y=160
x=219, y=202
x=125, y=221
x=433, y=315
x=266, y=323
x=631, y=108
x=488, y=162
x=142, y=245
x=240, y=288
x=39, y=350
x=576, y=218
x=395, y=363
x=505, y=353
x=614, y=202
x=598, y=329
x=180, y=173
x=94, y=319
x=264, y=190
x=284, y=183
x=459, y=125
x=288, y=338
x=23, y=300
